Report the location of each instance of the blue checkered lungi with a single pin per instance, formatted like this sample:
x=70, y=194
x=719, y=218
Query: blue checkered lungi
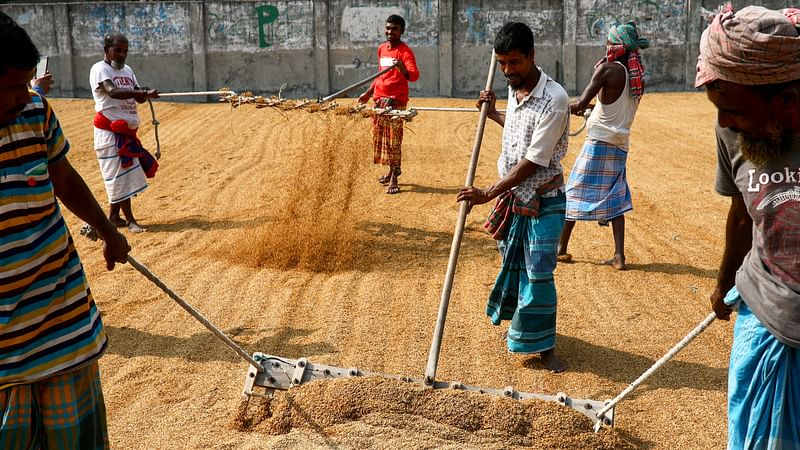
x=597, y=188
x=525, y=292
x=763, y=386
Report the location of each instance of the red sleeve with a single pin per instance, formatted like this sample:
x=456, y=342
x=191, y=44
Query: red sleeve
x=411, y=64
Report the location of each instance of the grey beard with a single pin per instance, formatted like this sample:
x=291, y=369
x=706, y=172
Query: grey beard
x=117, y=65
x=765, y=150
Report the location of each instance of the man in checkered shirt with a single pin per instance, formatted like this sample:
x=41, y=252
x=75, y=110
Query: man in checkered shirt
x=529, y=215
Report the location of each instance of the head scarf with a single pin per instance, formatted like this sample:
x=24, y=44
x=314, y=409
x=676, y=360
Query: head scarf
x=624, y=38
x=754, y=46
x=626, y=35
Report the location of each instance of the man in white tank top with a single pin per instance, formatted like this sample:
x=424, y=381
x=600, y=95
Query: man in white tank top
x=597, y=188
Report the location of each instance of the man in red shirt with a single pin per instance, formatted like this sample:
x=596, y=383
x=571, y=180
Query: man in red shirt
x=390, y=90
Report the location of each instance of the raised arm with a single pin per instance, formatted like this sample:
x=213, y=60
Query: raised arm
x=407, y=65
x=139, y=94
x=608, y=76
x=491, y=98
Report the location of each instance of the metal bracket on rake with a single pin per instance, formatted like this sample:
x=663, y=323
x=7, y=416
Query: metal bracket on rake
x=400, y=114
x=283, y=373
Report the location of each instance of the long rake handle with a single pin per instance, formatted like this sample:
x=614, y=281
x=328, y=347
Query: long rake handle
x=433, y=356
x=338, y=94
x=188, y=94
x=217, y=332
x=674, y=351
x=449, y=109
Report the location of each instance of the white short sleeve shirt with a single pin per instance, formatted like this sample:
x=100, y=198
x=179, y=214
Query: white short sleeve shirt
x=537, y=129
x=112, y=108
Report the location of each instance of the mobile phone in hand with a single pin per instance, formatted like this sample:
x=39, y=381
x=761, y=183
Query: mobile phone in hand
x=41, y=68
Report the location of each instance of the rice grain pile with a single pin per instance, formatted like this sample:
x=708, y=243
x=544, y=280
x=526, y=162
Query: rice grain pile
x=314, y=228
x=455, y=416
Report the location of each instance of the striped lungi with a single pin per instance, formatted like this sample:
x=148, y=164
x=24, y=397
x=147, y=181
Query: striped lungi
x=597, y=188
x=387, y=135
x=763, y=386
x=66, y=411
x=121, y=183
x=525, y=292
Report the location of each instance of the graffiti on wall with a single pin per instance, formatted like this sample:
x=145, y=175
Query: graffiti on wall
x=480, y=25
x=149, y=27
x=249, y=25
x=662, y=21
x=358, y=64
x=358, y=26
x=266, y=15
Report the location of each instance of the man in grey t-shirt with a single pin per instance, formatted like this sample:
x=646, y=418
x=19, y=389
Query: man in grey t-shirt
x=750, y=66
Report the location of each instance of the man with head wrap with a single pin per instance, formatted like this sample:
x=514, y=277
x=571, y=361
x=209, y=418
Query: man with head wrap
x=750, y=66
x=597, y=188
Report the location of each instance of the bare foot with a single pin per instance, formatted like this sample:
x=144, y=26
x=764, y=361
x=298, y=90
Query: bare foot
x=386, y=179
x=134, y=227
x=393, y=187
x=551, y=361
x=564, y=258
x=617, y=262
x=117, y=221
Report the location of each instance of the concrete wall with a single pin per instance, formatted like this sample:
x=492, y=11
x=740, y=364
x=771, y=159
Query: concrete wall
x=315, y=47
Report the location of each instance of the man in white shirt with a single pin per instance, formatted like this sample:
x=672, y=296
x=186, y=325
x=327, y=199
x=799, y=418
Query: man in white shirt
x=115, y=92
x=529, y=215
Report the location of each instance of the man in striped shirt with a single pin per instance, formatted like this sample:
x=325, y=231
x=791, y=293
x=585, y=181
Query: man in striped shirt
x=51, y=334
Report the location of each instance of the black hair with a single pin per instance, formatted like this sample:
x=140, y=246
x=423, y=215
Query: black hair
x=110, y=39
x=514, y=36
x=397, y=20
x=17, y=50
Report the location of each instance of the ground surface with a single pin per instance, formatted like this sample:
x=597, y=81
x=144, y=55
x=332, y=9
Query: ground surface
x=274, y=226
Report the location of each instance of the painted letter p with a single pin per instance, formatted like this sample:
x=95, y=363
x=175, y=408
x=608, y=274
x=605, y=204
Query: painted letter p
x=266, y=15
